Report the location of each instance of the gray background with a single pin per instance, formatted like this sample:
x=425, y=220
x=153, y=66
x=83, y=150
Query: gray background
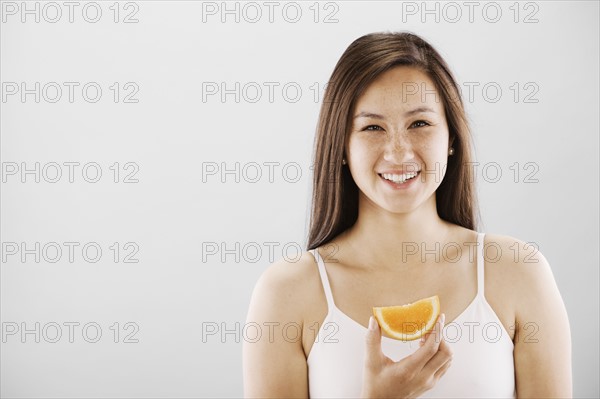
x=175, y=215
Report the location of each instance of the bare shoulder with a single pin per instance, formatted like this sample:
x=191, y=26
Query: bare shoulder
x=286, y=287
x=514, y=256
x=522, y=269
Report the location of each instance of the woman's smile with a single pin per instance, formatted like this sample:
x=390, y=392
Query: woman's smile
x=400, y=181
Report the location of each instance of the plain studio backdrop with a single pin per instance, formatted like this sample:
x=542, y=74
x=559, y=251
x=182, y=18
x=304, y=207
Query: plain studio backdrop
x=156, y=158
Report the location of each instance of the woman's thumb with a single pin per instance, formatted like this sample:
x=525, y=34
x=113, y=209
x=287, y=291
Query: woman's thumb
x=373, y=344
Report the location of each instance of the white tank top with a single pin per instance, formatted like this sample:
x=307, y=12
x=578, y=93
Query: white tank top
x=482, y=361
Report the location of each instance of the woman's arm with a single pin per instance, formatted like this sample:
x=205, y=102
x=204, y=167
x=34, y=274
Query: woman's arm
x=275, y=365
x=543, y=336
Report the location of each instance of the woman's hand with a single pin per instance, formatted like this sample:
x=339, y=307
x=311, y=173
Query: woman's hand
x=412, y=375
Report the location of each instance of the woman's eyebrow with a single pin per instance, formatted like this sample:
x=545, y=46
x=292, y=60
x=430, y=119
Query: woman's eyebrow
x=419, y=110
x=407, y=113
x=368, y=115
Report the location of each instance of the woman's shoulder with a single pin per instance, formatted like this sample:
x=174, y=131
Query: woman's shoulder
x=518, y=263
x=289, y=283
x=510, y=252
x=289, y=272
x=507, y=259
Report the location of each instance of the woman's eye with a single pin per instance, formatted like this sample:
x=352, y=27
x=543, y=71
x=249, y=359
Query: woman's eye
x=372, y=127
x=420, y=124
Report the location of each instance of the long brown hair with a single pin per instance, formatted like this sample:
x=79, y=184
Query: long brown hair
x=335, y=194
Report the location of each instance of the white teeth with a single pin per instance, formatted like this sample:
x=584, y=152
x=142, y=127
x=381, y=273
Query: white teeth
x=399, y=178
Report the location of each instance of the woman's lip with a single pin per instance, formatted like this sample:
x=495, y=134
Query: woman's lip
x=406, y=184
x=397, y=172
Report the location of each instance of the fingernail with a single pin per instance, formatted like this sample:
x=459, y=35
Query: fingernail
x=372, y=323
x=443, y=318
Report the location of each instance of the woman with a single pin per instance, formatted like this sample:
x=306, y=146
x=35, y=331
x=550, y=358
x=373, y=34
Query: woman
x=393, y=221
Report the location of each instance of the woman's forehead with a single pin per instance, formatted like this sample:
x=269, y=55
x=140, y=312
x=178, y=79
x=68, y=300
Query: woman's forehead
x=401, y=88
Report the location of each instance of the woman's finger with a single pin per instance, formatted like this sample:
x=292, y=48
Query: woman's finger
x=442, y=370
x=441, y=358
x=431, y=346
x=374, y=355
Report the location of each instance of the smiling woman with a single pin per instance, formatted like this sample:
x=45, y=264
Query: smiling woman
x=393, y=132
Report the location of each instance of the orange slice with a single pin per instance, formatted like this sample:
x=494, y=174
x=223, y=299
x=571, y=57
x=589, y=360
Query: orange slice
x=409, y=322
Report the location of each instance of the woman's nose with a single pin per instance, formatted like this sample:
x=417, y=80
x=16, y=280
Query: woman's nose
x=398, y=148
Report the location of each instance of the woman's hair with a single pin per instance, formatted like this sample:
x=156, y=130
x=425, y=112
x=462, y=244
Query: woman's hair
x=335, y=194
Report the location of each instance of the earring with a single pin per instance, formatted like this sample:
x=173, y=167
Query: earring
x=450, y=151
x=344, y=161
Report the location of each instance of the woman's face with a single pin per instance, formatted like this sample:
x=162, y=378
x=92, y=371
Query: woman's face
x=398, y=131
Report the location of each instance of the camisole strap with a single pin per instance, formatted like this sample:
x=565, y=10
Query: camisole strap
x=480, y=264
x=324, y=279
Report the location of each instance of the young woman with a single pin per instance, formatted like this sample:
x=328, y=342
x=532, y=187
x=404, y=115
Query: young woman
x=394, y=221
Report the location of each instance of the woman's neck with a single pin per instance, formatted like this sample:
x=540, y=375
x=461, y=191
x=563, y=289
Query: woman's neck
x=398, y=239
